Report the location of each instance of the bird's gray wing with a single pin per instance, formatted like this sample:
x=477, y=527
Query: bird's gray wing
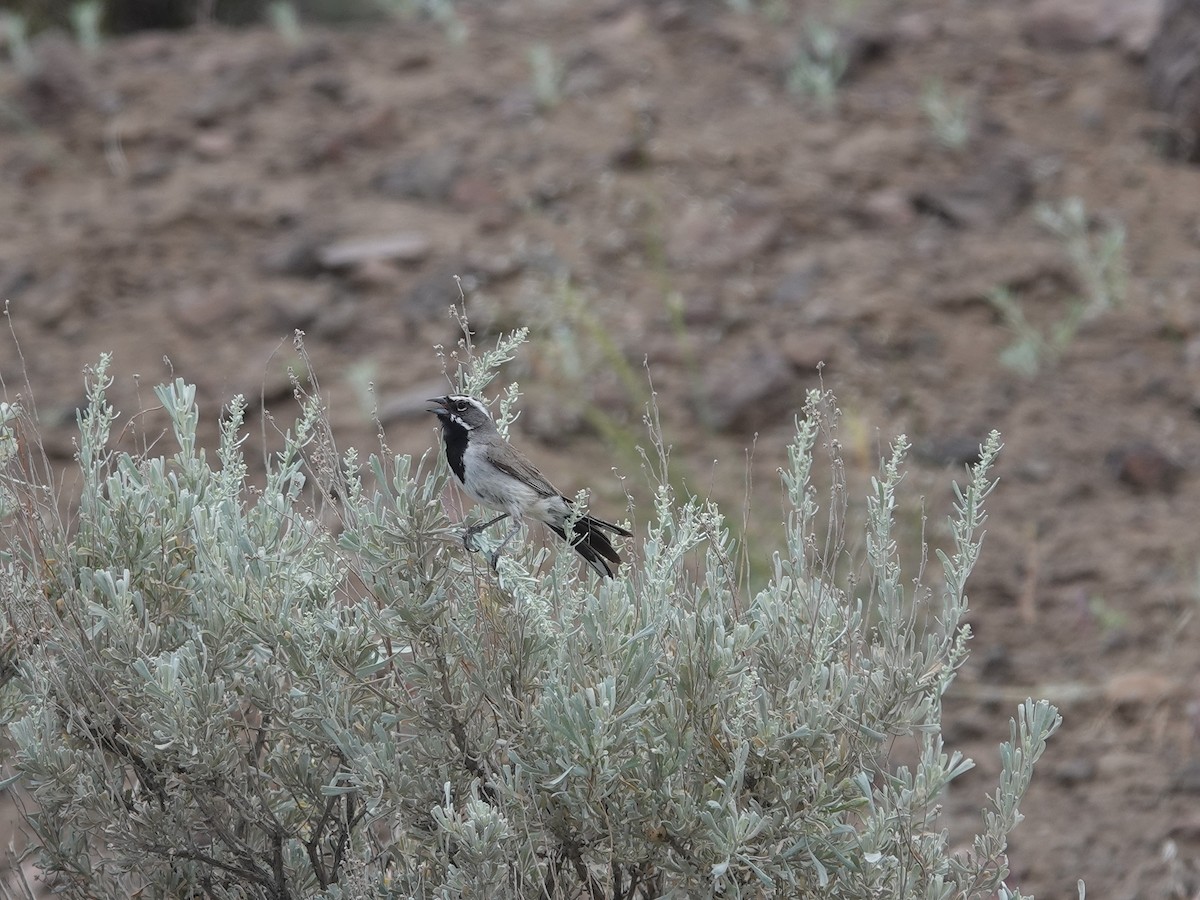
x=512, y=462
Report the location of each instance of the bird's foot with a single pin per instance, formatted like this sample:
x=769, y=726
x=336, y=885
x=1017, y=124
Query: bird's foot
x=468, y=538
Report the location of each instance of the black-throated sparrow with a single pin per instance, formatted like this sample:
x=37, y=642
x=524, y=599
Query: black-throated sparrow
x=498, y=476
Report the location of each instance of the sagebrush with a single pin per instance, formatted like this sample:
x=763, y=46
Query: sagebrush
x=307, y=687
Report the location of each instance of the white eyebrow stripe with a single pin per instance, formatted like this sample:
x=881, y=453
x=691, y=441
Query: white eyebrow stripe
x=475, y=403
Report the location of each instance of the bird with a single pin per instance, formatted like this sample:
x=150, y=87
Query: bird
x=495, y=474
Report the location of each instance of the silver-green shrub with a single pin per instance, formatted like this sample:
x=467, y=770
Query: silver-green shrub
x=306, y=687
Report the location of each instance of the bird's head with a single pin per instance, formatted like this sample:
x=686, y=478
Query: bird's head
x=461, y=410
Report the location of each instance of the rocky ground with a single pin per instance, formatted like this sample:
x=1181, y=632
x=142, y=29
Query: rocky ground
x=667, y=190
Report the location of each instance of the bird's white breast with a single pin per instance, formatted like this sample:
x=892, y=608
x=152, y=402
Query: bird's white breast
x=502, y=492
x=491, y=487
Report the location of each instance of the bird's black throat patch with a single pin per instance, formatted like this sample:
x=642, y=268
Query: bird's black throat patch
x=455, y=436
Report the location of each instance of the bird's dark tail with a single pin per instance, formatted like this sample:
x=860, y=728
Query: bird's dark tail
x=590, y=541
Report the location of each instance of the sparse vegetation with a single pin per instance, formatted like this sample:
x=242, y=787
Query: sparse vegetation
x=14, y=30
x=949, y=117
x=1099, y=265
x=440, y=11
x=546, y=75
x=86, y=20
x=819, y=65
x=1098, y=258
x=286, y=21
x=1033, y=347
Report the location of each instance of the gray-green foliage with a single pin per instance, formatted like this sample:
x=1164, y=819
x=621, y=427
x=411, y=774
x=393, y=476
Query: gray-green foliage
x=949, y=115
x=1098, y=258
x=217, y=694
x=1099, y=265
x=14, y=29
x=819, y=65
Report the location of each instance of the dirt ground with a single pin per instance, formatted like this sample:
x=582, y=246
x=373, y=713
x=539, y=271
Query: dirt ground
x=637, y=183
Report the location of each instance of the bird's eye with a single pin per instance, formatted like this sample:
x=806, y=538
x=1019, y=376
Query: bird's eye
x=461, y=405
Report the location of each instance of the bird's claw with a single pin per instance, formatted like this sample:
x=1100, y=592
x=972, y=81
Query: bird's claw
x=468, y=538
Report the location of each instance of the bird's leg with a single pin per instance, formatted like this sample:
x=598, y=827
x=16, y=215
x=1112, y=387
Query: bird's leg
x=470, y=534
x=494, y=558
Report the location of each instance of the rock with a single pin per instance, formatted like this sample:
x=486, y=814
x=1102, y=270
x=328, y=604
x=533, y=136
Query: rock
x=482, y=196
x=332, y=87
x=1186, y=779
x=807, y=351
x=56, y=299
x=1139, y=688
x=1173, y=73
x=377, y=127
x=1136, y=23
x=1063, y=24
x=887, y=208
x=233, y=91
x=264, y=377
x=437, y=292
x=474, y=192
x=916, y=27
x=862, y=47
x=213, y=144
x=996, y=664
x=949, y=450
x=60, y=81
x=426, y=176
x=632, y=148
x=866, y=158
x=748, y=391
x=206, y=308
x=16, y=279
x=405, y=246
x=552, y=423
x=494, y=267
x=708, y=237
x=1189, y=828
x=996, y=191
x=295, y=255
x=794, y=288
x=1079, y=24
x=374, y=273
x=298, y=306
x=1075, y=772
x=1144, y=467
x=337, y=318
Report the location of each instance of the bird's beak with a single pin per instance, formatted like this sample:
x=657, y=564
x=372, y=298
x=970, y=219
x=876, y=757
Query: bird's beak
x=437, y=406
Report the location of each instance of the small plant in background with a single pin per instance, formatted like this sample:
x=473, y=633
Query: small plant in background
x=1098, y=259
x=773, y=10
x=576, y=350
x=286, y=21
x=1033, y=347
x=214, y=693
x=1110, y=617
x=1099, y=264
x=440, y=11
x=819, y=66
x=85, y=22
x=949, y=117
x=546, y=75
x=15, y=34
